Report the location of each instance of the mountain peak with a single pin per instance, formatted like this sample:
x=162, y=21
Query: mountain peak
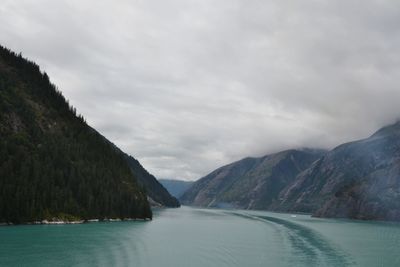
x=392, y=129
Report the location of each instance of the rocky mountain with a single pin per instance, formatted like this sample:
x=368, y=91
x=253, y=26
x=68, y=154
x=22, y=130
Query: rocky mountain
x=358, y=180
x=52, y=164
x=176, y=187
x=251, y=183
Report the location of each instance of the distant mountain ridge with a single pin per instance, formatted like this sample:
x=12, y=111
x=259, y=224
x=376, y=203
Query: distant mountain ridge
x=176, y=187
x=359, y=180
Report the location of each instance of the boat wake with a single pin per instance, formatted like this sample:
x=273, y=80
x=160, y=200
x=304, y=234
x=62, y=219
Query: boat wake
x=308, y=247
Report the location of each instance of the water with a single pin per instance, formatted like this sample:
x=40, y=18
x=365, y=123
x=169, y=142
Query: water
x=201, y=237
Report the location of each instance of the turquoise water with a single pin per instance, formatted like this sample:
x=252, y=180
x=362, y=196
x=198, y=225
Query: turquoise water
x=201, y=237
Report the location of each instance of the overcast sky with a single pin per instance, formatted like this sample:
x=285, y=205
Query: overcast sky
x=186, y=86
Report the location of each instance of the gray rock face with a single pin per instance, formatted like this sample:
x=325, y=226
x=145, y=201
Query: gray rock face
x=251, y=183
x=358, y=180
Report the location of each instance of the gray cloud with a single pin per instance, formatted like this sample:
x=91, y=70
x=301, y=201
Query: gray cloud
x=188, y=85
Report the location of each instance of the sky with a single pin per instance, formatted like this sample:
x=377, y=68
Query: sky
x=187, y=86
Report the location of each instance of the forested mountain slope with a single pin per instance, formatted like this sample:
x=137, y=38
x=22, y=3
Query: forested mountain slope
x=52, y=164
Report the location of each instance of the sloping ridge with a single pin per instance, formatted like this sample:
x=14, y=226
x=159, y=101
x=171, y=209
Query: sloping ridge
x=154, y=189
x=251, y=183
x=157, y=194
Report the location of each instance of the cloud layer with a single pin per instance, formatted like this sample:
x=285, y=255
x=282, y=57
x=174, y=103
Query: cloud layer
x=186, y=86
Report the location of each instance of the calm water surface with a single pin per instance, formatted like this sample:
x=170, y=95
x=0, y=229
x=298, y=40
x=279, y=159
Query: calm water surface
x=201, y=237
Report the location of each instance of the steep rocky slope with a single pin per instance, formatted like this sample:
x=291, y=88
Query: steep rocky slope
x=359, y=180
x=251, y=183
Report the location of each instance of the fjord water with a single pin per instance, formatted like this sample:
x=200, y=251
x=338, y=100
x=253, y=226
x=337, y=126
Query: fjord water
x=202, y=237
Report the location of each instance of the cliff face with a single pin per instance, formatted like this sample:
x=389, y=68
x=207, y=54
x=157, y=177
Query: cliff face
x=251, y=183
x=359, y=180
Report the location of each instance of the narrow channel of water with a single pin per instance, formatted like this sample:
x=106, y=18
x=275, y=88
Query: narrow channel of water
x=202, y=237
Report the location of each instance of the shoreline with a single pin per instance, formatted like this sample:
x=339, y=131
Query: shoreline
x=61, y=222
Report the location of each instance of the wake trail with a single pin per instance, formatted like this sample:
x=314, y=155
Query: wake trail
x=310, y=248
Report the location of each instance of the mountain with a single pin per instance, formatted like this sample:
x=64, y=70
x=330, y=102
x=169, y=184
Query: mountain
x=251, y=183
x=52, y=164
x=176, y=187
x=358, y=180
x=156, y=191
